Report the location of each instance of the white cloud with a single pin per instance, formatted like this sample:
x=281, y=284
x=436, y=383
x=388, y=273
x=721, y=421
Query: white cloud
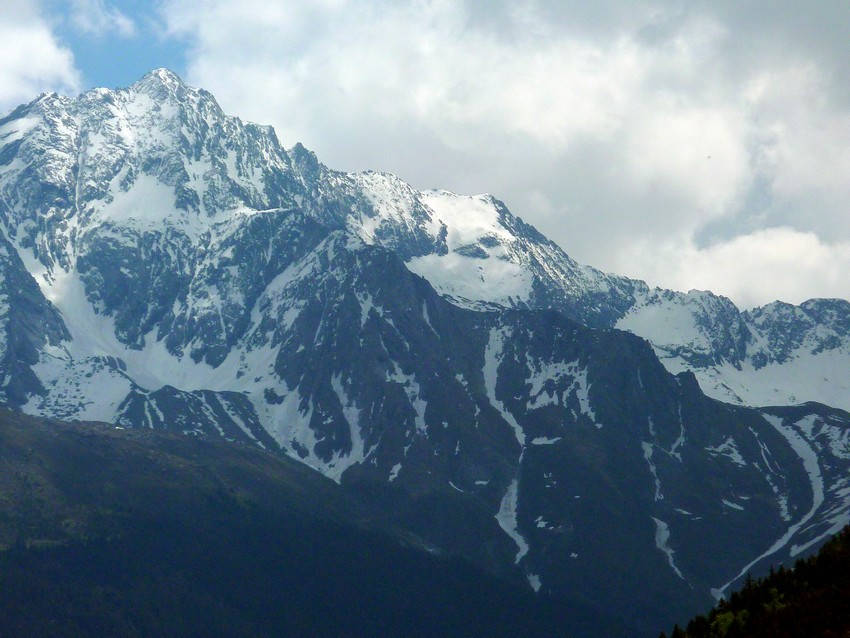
x=96, y=17
x=806, y=150
x=753, y=269
x=610, y=127
x=33, y=61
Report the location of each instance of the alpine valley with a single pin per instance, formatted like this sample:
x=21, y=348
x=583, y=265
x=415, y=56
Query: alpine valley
x=637, y=451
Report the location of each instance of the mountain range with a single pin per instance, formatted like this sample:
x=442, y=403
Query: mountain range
x=164, y=265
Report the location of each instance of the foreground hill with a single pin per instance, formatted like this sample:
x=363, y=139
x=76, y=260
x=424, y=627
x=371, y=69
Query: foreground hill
x=109, y=532
x=809, y=600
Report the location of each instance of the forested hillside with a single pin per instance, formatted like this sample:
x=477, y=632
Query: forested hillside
x=112, y=532
x=809, y=600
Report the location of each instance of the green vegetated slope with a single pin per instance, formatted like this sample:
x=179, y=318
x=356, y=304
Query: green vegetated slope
x=135, y=533
x=812, y=600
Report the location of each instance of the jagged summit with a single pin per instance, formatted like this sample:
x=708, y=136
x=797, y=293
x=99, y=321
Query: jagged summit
x=162, y=81
x=164, y=85
x=165, y=76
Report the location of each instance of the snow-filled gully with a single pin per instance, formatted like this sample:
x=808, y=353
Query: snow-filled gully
x=810, y=462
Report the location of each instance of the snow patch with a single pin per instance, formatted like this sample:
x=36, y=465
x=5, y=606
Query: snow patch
x=16, y=129
x=662, y=535
x=729, y=450
x=837, y=437
x=463, y=278
x=820, y=377
x=732, y=505
x=542, y=440
x=507, y=519
x=647, y=455
x=492, y=357
x=411, y=389
x=554, y=374
x=582, y=393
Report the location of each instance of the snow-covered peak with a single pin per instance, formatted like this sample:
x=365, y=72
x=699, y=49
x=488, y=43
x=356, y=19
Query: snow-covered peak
x=162, y=77
x=472, y=249
x=471, y=221
x=159, y=164
x=698, y=328
x=129, y=151
x=482, y=260
x=813, y=327
x=392, y=204
x=155, y=155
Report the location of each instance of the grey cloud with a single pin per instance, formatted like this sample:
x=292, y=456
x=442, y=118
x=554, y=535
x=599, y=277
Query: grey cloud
x=608, y=124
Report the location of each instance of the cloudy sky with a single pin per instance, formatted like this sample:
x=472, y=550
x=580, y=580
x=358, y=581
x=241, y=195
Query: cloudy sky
x=691, y=144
